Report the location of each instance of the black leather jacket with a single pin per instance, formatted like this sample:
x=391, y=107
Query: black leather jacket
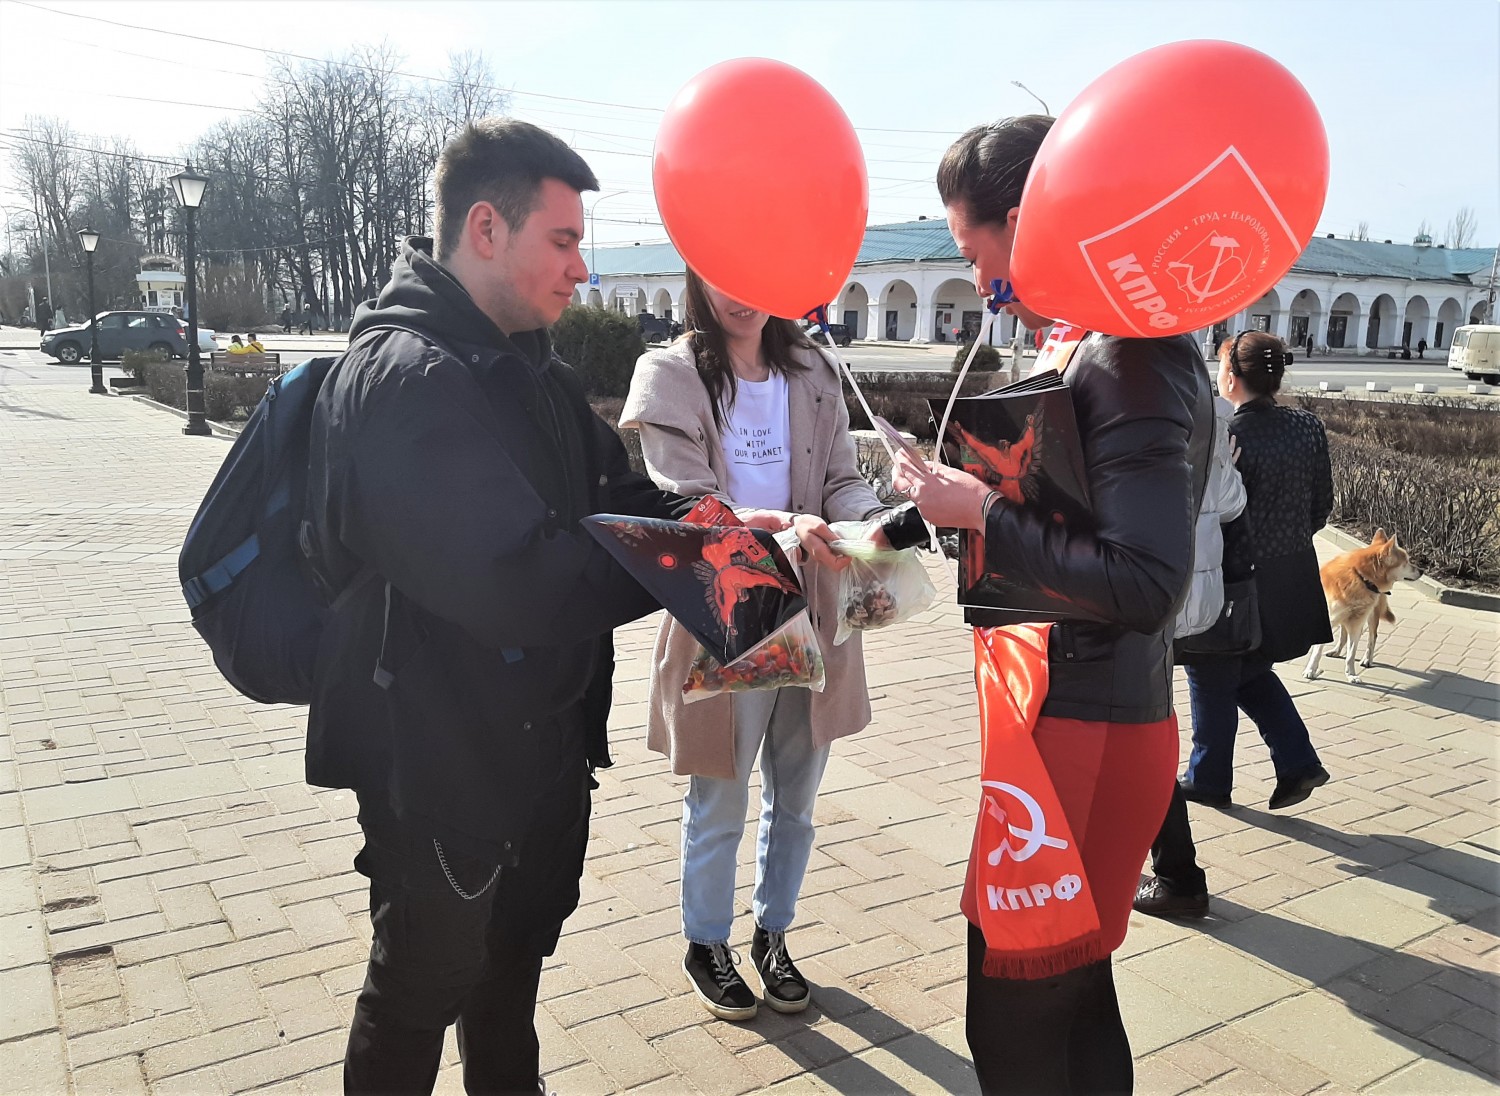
x=1145, y=416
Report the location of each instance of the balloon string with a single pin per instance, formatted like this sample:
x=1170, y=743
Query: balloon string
x=820, y=317
x=1001, y=293
x=937, y=454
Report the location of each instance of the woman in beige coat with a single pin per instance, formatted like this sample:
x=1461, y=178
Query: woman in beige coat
x=744, y=407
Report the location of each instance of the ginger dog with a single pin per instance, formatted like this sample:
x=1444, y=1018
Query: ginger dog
x=1357, y=585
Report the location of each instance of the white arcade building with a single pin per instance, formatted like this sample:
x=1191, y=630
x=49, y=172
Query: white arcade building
x=910, y=285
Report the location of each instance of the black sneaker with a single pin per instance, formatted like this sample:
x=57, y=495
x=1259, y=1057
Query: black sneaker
x=711, y=972
x=786, y=989
x=1153, y=899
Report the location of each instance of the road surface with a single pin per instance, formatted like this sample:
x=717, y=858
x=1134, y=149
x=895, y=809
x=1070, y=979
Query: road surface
x=21, y=363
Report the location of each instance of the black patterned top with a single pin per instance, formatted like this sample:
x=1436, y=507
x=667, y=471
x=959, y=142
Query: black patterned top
x=1284, y=463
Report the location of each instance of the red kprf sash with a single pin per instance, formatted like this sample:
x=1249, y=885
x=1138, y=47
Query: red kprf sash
x=1028, y=890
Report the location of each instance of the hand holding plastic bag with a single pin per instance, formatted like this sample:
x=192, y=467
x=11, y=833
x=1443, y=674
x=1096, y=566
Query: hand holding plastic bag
x=880, y=587
x=790, y=657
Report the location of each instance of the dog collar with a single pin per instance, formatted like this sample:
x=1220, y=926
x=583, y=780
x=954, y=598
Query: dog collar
x=1370, y=586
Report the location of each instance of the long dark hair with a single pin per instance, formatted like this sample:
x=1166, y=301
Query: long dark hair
x=711, y=350
x=985, y=170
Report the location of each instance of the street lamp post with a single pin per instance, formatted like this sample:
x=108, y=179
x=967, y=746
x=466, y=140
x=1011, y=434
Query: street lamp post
x=90, y=240
x=1034, y=95
x=594, y=206
x=189, y=189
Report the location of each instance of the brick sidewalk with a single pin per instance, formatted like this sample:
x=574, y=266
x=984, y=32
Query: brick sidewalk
x=178, y=912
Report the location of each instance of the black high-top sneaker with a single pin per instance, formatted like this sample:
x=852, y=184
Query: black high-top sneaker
x=786, y=989
x=711, y=972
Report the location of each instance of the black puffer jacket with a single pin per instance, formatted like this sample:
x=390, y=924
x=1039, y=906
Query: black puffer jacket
x=459, y=473
x=1145, y=417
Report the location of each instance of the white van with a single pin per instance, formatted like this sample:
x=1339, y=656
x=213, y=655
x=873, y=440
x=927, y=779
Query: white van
x=1476, y=352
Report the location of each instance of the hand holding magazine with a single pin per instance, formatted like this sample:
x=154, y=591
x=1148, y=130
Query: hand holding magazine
x=1022, y=441
x=732, y=587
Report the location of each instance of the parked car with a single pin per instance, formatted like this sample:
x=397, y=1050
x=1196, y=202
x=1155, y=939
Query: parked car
x=657, y=329
x=841, y=333
x=1475, y=352
x=122, y=331
x=842, y=336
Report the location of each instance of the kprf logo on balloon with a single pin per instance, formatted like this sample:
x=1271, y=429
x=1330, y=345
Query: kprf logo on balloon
x=1195, y=255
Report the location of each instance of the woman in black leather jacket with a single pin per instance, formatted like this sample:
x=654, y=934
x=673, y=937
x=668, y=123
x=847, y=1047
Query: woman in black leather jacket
x=1106, y=734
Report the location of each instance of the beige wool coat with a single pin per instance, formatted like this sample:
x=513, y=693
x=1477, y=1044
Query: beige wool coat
x=670, y=407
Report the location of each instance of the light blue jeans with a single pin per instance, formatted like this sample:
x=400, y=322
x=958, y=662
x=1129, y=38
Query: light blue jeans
x=778, y=725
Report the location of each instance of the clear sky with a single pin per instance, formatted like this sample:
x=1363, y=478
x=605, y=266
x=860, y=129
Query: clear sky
x=1410, y=92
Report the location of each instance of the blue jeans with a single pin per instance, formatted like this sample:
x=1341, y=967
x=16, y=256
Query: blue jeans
x=777, y=724
x=1219, y=692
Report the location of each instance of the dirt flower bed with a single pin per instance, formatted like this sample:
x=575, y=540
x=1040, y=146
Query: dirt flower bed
x=1428, y=470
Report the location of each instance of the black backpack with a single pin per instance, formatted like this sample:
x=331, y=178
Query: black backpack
x=243, y=567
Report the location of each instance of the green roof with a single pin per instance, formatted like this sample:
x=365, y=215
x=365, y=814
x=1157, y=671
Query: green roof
x=930, y=241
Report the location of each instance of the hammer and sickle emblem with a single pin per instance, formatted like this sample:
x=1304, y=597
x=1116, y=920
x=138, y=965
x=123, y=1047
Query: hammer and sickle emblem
x=1031, y=839
x=1187, y=279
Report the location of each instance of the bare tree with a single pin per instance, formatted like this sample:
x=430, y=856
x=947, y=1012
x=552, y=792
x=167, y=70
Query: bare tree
x=309, y=195
x=1460, y=230
x=1424, y=229
x=1362, y=230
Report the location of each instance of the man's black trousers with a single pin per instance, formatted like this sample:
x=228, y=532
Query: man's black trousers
x=457, y=938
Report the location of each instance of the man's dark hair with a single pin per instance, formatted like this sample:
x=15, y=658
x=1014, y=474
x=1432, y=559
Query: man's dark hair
x=985, y=170
x=501, y=161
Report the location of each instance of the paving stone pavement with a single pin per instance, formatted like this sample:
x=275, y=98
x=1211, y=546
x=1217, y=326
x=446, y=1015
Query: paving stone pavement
x=178, y=913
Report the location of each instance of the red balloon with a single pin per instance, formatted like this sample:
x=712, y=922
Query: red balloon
x=1173, y=192
x=761, y=183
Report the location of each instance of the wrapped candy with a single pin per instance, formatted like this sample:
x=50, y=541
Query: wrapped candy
x=880, y=587
x=790, y=657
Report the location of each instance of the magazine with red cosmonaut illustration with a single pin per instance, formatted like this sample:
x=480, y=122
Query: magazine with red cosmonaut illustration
x=1023, y=441
x=731, y=586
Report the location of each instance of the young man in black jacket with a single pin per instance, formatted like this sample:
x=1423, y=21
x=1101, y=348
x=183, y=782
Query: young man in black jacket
x=464, y=683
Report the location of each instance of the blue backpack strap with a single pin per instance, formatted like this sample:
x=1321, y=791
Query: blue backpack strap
x=222, y=574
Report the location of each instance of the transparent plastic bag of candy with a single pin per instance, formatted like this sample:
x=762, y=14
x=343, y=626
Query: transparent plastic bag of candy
x=880, y=587
x=789, y=657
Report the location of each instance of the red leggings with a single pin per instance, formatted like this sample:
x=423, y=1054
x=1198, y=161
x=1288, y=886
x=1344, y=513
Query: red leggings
x=1063, y=1034
x=1114, y=781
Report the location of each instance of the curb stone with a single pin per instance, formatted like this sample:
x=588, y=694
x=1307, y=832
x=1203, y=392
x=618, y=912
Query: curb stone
x=219, y=429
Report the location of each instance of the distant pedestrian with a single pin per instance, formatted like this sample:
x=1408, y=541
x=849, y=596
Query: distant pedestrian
x=1421, y=347
x=286, y=320
x=1289, y=490
x=44, y=315
x=306, y=324
x=1309, y=344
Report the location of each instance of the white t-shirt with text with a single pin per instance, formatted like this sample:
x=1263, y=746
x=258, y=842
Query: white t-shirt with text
x=756, y=439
